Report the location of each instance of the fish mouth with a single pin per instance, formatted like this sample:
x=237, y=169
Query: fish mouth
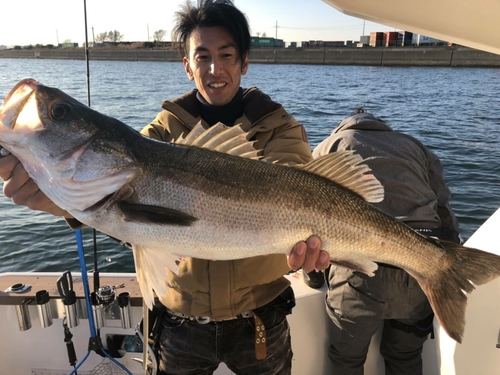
x=15, y=101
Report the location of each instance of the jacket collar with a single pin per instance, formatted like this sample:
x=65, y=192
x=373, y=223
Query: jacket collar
x=256, y=106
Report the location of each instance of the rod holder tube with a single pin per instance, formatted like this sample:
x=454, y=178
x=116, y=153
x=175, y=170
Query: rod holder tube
x=125, y=310
x=42, y=300
x=97, y=311
x=71, y=315
x=23, y=315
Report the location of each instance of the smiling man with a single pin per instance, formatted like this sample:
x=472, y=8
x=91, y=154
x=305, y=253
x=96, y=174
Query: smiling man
x=214, y=64
x=225, y=311
x=214, y=309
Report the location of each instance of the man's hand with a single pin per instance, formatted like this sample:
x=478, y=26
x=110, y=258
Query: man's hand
x=308, y=255
x=22, y=190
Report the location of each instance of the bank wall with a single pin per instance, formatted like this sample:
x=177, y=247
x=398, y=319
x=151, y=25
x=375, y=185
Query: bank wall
x=396, y=56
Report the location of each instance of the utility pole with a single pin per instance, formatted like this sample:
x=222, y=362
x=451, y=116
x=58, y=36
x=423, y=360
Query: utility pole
x=276, y=35
x=148, y=32
x=364, y=21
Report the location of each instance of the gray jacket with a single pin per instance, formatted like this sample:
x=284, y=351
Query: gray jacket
x=412, y=176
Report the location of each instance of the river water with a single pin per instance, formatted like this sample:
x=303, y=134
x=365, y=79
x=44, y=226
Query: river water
x=455, y=112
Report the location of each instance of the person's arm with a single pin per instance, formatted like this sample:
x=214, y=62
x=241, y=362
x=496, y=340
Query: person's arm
x=438, y=185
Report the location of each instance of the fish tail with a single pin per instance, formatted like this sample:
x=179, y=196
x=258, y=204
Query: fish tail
x=461, y=270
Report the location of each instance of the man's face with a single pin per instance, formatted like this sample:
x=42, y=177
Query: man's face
x=214, y=64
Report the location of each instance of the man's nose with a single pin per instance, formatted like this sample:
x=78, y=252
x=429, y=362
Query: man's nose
x=215, y=68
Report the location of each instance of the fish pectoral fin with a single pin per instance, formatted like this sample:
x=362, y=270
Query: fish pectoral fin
x=148, y=214
x=367, y=267
x=151, y=270
x=345, y=168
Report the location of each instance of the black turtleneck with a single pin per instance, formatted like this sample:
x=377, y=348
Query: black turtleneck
x=227, y=114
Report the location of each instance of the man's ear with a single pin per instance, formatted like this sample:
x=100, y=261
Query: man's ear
x=244, y=65
x=187, y=68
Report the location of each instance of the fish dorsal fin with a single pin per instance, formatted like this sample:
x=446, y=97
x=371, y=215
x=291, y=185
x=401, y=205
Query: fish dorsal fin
x=219, y=137
x=345, y=168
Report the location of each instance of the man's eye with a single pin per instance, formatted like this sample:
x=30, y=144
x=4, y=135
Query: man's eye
x=202, y=58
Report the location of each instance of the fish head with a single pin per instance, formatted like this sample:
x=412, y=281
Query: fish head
x=43, y=122
x=76, y=155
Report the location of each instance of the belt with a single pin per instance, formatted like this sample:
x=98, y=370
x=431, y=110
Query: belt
x=260, y=329
x=208, y=319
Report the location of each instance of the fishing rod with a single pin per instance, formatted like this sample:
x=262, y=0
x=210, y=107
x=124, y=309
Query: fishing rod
x=95, y=342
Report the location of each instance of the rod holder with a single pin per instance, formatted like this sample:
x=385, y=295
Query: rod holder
x=97, y=311
x=42, y=300
x=68, y=296
x=125, y=310
x=23, y=315
x=71, y=315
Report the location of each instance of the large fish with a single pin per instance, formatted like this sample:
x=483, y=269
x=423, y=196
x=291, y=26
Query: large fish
x=170, y=200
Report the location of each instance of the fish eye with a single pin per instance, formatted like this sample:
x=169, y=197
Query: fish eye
x=59, y=111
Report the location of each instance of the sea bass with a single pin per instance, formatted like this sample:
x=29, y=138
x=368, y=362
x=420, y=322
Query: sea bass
x=203, y=199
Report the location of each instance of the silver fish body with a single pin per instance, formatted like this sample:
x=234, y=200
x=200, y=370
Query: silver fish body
x=171, y=200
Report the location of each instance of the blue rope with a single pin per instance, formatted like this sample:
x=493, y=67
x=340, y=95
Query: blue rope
x=85, y=281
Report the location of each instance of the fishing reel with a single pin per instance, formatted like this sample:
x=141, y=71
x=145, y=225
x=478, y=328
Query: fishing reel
x=106, y=295
x=103, y=300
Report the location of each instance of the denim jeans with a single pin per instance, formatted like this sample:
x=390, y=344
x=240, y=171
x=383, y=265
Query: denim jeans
x=188, y=347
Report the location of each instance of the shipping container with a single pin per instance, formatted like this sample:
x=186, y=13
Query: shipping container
x=422, y=40
x=334, y=43
x=257, y=42
x=376, y=39
x=390, y=38
x=405, y=38
x=68, y=45
x=365, y=39
x=315, y=43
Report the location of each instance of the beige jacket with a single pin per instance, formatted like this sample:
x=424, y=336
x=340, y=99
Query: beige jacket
x=223, y=289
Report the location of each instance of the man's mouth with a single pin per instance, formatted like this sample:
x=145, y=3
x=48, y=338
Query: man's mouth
x=217, y=85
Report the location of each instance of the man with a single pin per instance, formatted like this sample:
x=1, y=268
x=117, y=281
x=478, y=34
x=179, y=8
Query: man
x=215, y=309
x=415, y=193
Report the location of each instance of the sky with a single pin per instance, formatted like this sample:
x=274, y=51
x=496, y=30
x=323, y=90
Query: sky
x=25, y=22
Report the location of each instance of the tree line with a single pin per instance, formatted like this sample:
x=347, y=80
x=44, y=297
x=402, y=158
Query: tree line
x=115, y=36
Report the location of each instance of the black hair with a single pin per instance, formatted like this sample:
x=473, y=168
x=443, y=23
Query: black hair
x=211, y=13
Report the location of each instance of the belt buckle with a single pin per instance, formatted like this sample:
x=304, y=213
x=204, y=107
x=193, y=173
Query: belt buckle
x=203, y=319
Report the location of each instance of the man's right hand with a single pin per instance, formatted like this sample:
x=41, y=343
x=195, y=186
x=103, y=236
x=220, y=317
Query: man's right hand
x=22, y=190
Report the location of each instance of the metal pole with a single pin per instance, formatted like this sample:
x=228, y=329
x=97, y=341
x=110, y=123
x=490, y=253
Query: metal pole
x=87, y=51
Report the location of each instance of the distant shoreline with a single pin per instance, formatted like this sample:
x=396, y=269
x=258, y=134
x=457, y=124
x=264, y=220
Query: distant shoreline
x=369, y=56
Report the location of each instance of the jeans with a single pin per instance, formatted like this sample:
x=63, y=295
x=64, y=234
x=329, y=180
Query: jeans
x=188, y=347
